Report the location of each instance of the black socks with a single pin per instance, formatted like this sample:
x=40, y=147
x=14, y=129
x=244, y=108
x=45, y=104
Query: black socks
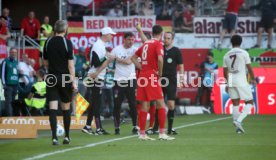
x=170, y=116
x=66, y=121
x=53, y=122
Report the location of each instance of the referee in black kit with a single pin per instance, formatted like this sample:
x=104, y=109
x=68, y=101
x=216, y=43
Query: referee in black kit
x=58, y=59
x=172, y=60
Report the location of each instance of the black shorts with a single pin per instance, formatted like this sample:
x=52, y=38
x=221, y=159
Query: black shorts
x=230, y=21
x=59, y=92
x=169, y=90
x=267, y=21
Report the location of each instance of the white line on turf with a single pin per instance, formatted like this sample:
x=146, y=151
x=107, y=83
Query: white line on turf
x=115, y=139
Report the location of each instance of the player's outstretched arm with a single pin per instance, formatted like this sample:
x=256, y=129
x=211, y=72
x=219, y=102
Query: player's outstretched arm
x=124, y=61
x=142, y=35
x=102, y=67
x=134, y=59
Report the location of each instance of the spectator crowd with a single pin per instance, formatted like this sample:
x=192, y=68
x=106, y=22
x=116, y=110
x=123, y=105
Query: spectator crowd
x=180, y=12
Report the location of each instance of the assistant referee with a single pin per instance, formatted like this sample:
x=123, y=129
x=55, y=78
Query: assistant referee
x=58, y=58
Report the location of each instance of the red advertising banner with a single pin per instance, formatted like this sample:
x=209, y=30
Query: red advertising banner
x=87, y=40
x=192, y=59
x=264, y=94
x=267, y=98
x=118, y=24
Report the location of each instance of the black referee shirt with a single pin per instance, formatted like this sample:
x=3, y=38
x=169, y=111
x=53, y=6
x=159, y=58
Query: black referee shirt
x=58, y=54
x=172, y=58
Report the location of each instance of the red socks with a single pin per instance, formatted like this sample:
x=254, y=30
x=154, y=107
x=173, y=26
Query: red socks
x=139, y=107
x=142, y=121
x=162, y=119
x=152, y=115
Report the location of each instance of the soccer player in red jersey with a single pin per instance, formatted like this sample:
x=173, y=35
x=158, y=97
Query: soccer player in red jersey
x=151, y=66
x=144, y=37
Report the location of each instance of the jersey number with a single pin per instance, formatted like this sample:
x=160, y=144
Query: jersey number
x=145, y=52
x=233, y=57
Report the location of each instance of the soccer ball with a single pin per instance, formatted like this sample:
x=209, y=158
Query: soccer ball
x=60, y=130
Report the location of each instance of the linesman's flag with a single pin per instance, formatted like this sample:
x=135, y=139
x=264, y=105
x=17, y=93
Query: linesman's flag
x=81, y=106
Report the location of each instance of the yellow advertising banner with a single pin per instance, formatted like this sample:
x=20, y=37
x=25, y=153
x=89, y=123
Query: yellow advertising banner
x=41, y=122
x=17, y=131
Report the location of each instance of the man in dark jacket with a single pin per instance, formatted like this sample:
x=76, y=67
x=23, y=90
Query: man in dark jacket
x=9, y=77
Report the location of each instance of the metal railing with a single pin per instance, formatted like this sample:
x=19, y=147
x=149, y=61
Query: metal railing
x=19, y=41
x=32, y=42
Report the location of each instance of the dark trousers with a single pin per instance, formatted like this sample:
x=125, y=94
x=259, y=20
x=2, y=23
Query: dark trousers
x=95, y=103
x=107, y=101
x=200, y=93
x=20, y=108
x=9, y=93
x=120, y=92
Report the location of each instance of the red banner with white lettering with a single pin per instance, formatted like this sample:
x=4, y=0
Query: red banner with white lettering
x=192, y=59
x=87, y=40
x=118, y=24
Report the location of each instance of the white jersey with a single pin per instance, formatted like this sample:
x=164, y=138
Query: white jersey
x=25, y=70
x=124, y=71
x=99, y=49
x=235, y=60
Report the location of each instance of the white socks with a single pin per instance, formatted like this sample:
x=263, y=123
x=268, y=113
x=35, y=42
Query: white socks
x=245, y=111
x=235, y=112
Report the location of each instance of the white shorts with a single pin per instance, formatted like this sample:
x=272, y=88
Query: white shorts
x=241, y=92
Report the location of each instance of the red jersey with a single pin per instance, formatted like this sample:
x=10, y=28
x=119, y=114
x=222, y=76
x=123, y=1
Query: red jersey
x=3, y=30
x=3, y=43
x=234, y=6
x=189, y=18
x=30, y=28
x=149, y=53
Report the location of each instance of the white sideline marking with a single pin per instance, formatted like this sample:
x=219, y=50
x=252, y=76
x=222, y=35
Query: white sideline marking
x=114, y=140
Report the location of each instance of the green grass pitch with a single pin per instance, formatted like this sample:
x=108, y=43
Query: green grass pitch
x=209, y=140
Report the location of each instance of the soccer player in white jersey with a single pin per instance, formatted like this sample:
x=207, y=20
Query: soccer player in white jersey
x=125, y=81
x=235, y=63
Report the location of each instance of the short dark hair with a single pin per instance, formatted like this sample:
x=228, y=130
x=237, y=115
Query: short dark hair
x=41, y=72
x=171, y=34
x=128, y=34
x=157, y=30
x=147, y=34
x=236, y=40
x=210, y=53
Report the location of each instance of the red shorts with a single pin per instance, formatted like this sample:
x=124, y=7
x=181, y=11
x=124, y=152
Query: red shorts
x=148, y=87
